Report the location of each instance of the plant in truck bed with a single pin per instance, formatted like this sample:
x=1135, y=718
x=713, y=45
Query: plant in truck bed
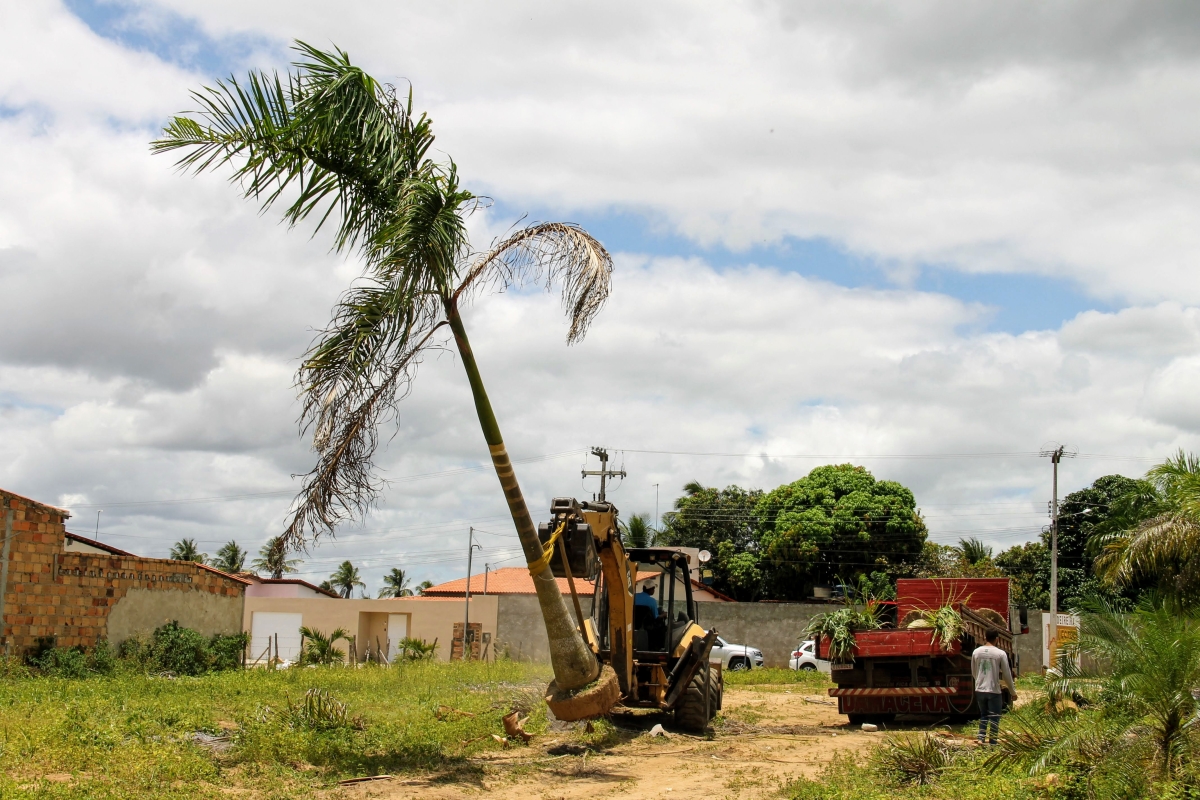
x=840, y=626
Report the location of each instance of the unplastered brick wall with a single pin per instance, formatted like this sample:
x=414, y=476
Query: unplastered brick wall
x=69, y=596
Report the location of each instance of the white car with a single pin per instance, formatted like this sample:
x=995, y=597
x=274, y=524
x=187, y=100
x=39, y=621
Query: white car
x=805, y=657
x=736, y=657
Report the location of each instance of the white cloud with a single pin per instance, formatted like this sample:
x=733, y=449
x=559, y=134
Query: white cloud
x=150, y=322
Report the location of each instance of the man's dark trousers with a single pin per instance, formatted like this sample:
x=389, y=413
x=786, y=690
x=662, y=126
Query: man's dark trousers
x=991, y=704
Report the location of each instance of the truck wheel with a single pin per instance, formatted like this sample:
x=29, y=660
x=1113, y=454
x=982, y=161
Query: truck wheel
x=808, y=667
x=739, y=664
x=689, y=710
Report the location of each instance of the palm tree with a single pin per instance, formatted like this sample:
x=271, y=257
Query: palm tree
x=230, y=558
x=1132, y=724
x=1154, y=533
x=345, y=578
x=272, y=559
x=319, y=649
x=638, y=532
x=423, y=585
x=395, y=584
x=337, y=142
x=974, y=551
x=186, y=550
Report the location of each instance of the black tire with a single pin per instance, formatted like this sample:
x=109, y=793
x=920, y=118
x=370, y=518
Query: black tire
x=689, y=710
x=856, y=719
x=739, y=664
x=808, y=667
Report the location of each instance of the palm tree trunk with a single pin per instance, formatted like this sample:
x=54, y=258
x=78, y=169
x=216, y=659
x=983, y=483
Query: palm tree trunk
x=572, y=660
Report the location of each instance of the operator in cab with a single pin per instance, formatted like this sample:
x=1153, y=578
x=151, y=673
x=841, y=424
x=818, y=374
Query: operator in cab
x=646, y=598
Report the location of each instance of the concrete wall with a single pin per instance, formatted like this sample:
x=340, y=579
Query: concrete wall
x=520, y=629
x=429, y=618
x=1028, y=646
x=774, y=628
x=143, y=610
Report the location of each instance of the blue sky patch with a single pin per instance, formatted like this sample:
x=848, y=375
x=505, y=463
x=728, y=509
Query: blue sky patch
x=1020, y=302
x=171, y=37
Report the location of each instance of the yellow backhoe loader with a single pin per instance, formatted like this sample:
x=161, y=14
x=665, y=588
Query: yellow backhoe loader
x=655, y=646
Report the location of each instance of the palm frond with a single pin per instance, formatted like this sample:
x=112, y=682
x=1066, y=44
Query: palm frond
x=553, y=252
x=340, y=138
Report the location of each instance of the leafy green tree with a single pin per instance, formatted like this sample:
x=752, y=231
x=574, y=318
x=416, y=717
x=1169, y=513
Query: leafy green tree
x=1162, y=549
x=230, y=558
x=638, y=532
x=1082, y=516
x=1028, y=566
x=334, y=141
x=186, y=550
x=345, y=578
x=395, y=584
x=838, y=521
x=423, y=585
x=1130, y=731
x=272, y=559
x=723, y=522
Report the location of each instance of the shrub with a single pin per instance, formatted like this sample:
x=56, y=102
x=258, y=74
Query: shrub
x=913, y=759
x=183, y=651
x=227, y=650
x=62, y=662
x=180, y=650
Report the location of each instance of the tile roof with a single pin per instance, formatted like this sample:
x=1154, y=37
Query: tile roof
x=108, y=548
x=250, y=577
x=506, y=580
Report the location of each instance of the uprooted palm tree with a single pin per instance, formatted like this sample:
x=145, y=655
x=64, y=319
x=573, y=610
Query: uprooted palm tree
x=339, y=144
x=395, y=584
x=1126, y=729
x=1153, y=535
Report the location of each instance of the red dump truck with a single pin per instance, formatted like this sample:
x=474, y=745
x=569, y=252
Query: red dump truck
x=902, y=670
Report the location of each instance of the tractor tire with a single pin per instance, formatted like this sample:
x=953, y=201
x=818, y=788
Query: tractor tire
x=689, y=710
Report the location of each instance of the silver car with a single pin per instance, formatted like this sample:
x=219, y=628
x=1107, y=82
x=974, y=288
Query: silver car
x=736, y=656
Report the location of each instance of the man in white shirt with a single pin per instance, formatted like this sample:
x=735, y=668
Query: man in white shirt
x=989, y=666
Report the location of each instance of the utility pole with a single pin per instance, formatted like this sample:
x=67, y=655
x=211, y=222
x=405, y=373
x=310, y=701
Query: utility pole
x=486, y=569
x=1056, y=456
x=604, y=472
x=467, y=613
x=656, y=508
x=97, y=534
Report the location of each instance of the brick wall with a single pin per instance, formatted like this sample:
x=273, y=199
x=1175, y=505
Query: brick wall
x=68, y=596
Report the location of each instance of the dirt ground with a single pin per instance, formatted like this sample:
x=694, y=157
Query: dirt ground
x=771, y=736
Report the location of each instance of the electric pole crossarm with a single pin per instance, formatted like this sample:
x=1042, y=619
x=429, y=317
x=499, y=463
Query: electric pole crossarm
x=604, y=472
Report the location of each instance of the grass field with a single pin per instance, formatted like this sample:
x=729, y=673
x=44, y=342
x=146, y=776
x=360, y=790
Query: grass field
x=132, y=735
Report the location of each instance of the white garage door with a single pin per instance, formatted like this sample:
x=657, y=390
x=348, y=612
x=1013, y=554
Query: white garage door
x=265, y=625
x=397, y=630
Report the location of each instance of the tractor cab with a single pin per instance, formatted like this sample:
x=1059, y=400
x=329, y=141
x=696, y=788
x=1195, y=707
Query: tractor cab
x=663, y=607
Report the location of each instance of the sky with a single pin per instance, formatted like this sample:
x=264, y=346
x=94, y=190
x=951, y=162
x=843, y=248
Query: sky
x=932, y=238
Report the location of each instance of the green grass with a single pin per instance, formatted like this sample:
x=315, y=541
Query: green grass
x=129, y=736
x=787, y=678
x=848, y=779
